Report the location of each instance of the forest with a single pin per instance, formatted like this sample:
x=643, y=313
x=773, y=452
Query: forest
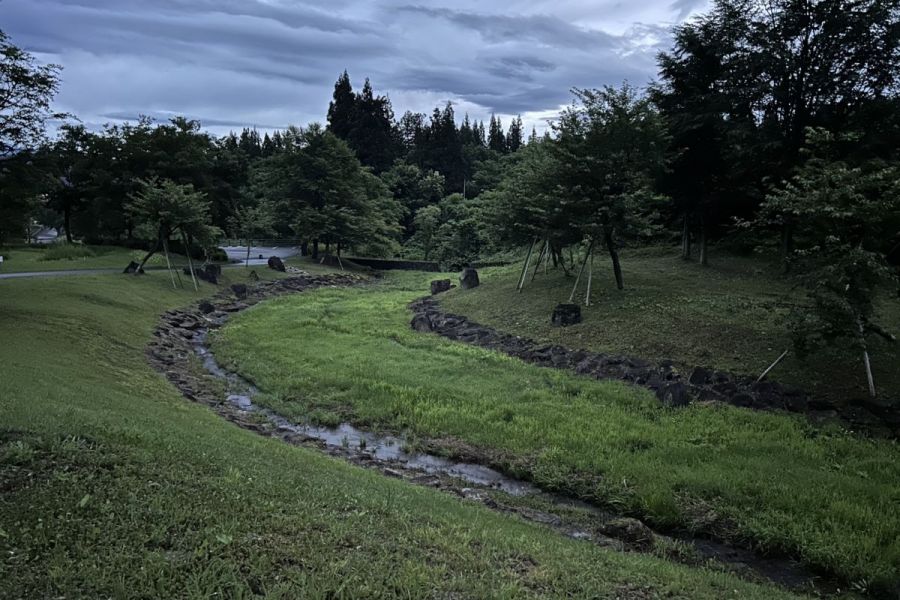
x=773, y=127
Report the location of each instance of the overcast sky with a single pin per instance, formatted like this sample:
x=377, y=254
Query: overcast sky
x=270, y=63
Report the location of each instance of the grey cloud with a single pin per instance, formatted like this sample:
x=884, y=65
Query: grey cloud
x=540, y=28
x=273, y=62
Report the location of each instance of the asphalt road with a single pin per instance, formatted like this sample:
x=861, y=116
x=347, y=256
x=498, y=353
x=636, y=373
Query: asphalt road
x=259, y=254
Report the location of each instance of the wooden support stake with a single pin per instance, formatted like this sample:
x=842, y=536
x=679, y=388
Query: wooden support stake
x=587, y=296
x=583, y=263
x=190, y=261
x=868, y=364
x=521, y=282
x=168, y=262
x=772, y=366
x=541, y=256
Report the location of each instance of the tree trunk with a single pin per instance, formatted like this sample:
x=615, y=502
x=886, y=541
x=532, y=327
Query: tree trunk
x=315, y=253
x=613, y=255
x=686, y=237
x=67, y=222
x=247, y=262
x=304, y=248
x=704, y=256
x=153, y=250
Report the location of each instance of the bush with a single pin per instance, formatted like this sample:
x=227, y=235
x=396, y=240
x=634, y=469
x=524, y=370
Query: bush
x=67, y=252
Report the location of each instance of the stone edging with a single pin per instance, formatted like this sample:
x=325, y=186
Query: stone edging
x=670, y=386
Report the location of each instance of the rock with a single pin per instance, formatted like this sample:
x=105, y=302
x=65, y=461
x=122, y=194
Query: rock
x=253, y=276
x=240, y=290
x=631, y=531
x=211, y=273
x=700, y=376
x=468, y=279
x=206, y=307
x=565, y=315
x=275, y=263
x=421, y=323
x=741, y=399
x=440, y=285
x=675, y=395
x=133, y=268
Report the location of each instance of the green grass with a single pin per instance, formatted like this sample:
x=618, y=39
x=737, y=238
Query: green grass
x=729, y=316
x=63, y=257
x=113, y=485
x=768, y=479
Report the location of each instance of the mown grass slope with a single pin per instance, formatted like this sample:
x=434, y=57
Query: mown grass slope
x=769, y=480
x=729, y=316
x=113, y=485
x=62, y=257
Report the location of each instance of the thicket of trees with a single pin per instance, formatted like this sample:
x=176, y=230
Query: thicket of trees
x=773, y=124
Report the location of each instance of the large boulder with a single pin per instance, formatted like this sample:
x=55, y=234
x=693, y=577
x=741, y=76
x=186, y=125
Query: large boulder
x=700, y=376
x=440, y=285
x=468, y=279
x=240, y=290
x=565, y=315
x=675, y=395
x=206, y=307
x=421, y=323
x=276, y=263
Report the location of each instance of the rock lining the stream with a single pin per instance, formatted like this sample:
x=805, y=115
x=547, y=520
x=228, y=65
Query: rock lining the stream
x=671, y=386
x=180, y=337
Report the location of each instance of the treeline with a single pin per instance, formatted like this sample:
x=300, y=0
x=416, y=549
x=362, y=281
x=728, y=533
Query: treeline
x=773, y=124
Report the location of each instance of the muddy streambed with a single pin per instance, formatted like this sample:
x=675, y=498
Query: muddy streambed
x=183, y=334
x=380, y=448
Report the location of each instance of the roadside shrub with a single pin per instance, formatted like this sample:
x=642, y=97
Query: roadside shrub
x=67, y=252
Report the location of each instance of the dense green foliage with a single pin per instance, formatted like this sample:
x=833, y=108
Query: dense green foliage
x=774, y=480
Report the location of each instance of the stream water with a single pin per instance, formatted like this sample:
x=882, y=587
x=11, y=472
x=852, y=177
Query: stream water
x=384, y=448
x=391, y=450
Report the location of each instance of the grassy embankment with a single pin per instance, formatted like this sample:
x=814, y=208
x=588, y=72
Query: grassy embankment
x=730, y=316
x=62, y=257
x=769, y=479
x=112, y=485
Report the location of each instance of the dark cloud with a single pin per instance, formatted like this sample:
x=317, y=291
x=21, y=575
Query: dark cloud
x=273, y=62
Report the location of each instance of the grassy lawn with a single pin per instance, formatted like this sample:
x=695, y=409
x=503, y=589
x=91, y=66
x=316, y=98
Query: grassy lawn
x=729, y=316
x=113, y=485
x=19, y=259
x=770, y=480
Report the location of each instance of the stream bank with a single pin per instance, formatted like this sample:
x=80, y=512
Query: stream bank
x=180, y=344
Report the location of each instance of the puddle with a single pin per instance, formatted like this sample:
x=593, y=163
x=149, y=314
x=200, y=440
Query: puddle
x=383, y=448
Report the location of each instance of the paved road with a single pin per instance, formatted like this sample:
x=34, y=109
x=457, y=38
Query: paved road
x=236, y=254
x=58, y=273
x=259, y=254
